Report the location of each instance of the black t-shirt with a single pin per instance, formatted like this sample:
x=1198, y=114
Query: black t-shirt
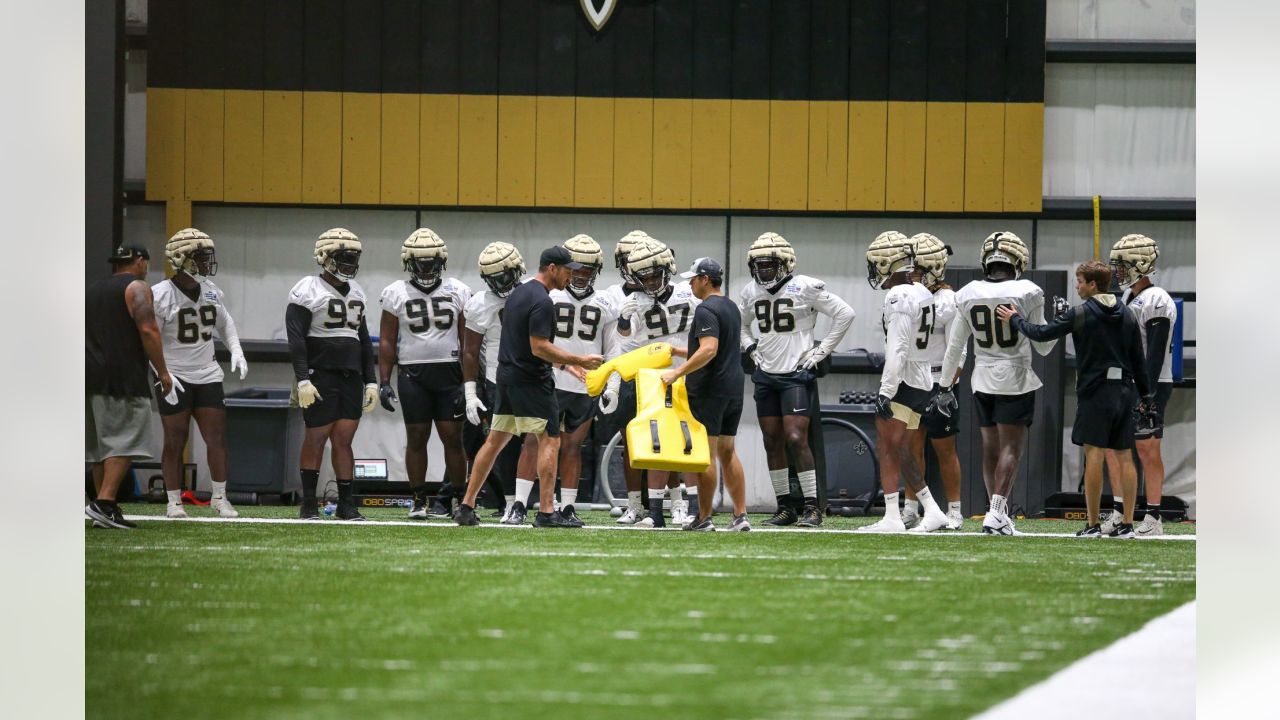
x=115, y=363
x=717, y=317
x=529, y=312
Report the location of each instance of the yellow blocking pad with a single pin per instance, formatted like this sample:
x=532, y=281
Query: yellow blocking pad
x=653, y=355
x=664, y=435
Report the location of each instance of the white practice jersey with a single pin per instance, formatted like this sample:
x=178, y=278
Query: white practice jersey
x=428, y=321
x=781, y=320
x=1150, y=304
x=483, y=315
x=187, y=328
x=333, y=315
x=906, y=317
x=1002, y=356
x=666, y=320
x=584, y=327
x=619, y=296
x=944, y=314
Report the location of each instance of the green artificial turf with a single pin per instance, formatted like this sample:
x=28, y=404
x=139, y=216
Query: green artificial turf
x=326, y=620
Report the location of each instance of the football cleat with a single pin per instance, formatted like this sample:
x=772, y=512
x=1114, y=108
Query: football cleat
x=551, y=520
x=784, y=515
x=442, y=506
x=1123, y=530
x=1005, y=247
x=1090, y=531
x=680, y=512
x=107, y=514
x=652, y=264
x=1111, y=521
x=224, y=508
x=347, y=510
x=501, y=267
x=571, y=516
x=175, y=511
x=997, y=523
x=191, y=251
x=424, y=256
x=338, y=252
x=931, y=522
x=516, y=514
x=890, y=523
x=1151, y=526
x=465, y=515
x=648, y=523
x=308, y=510
x=955, y=520
x=629, y=516
x=703, y=525
x=910, y=517
x=740, y=523
x=1132, y=258
x=811, y=517
x=419, y=509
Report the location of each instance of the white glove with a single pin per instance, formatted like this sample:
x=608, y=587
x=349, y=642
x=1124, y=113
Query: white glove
x=474, y=406
x=609, y=401
x=370, y=397
x=810, y=359
x=237, y=361
x=172, y=397
x=307, y=394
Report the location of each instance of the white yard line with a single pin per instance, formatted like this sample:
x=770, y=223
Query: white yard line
x=1151, y=673
x=624, y=528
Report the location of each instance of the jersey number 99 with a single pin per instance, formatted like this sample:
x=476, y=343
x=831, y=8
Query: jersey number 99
x=588, y=318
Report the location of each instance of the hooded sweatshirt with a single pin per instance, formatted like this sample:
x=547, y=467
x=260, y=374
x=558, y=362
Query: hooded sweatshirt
x=1107, y=339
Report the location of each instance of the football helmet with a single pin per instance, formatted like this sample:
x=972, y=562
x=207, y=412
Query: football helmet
x=1132, y=258
x=771, y=259
x=623, y=249
x=1005, y=247
x=191, y=251
x=931, y=257
x=652, y=265
x=501, y=267
x=587, y=251
x=338, y=252
x=425, y=257
x=889, y=253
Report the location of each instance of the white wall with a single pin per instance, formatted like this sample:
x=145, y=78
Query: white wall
x=1121, y=19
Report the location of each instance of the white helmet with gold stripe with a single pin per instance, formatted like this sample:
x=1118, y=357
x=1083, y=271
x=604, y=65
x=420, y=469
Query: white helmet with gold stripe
x=584, y=249
x=652, y=264
x=191, y=251
x=931, y=257
x=1132, y=258
x=501, y=267
x=424, y=256
x=771, y=259
x=1005, y=247
x=338, y=252
x=889, y=253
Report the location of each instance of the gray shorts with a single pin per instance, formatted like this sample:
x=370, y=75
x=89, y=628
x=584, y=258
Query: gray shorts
x=116, y=427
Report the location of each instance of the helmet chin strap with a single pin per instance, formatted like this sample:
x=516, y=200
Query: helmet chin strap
x=423, y=287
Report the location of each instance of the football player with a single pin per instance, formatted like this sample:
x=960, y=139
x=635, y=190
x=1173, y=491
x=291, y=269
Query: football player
x=660, y=312
x=421, y=330
x=586, y=324
x=1004, y=384
x=332, y=360
x=501, y=268
x=1133, y=262
x=932, y=256
x=189, y=311
x=610, y=399
x=779, y=310
x=905, y=382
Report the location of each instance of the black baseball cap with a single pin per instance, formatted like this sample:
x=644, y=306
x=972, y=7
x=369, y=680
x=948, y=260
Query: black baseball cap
x=704, y=266
x=128, y=253
x=558, y=255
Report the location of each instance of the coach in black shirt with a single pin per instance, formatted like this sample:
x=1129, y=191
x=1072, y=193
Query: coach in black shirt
x=714, y=383
x=1109, y=360
x=525, y=400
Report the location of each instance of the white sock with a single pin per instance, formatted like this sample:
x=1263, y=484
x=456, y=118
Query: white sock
x=175, y=496
x=568, y=496
x=635, y=499
x=926, y=498
x=999, y=504
x=219, y=490
x=523, y=488
x=677, y=493
x=511, y=499
x=912, y=505
x=890, y=504
x=781, y=481
x=808, y=483
x=953, y=507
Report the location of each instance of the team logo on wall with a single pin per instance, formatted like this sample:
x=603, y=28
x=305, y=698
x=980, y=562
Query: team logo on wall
x=598, y=18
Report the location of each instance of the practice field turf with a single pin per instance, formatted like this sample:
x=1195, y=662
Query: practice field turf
x=313, y=620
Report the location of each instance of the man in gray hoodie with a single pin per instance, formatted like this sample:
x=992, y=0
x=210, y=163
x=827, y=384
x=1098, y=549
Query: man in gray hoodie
x=1109, y=361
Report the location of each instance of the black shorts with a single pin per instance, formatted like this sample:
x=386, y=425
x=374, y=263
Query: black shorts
x=341, y=397
x=1104, y=418
x=778, y=395
x=576, y=409
x=1004, y=409
x=525, y=408
x=192, y=396
x=626, y=411
x=1164, y=391
x=431, y=391
x=719, y=414
x=938, y=426
x=913, y=397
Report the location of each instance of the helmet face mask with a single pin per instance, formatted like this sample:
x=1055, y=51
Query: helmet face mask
x=583, y=280
x=765, y=271
x=501, y=268
x=344, y=263
x=191, y=251
x=203, y=262
x=584, y=249
x=425, y=257
x=891, y=252
x=1132, y=258
x=652, y=265
x=653, y=279
x=771, y=259
x=503, y=283
x=338, y=252
x=426, y=271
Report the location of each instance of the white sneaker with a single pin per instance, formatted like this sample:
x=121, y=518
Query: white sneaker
x=910, y=517
x=644, y=522
x=629, y=516
x=1111, y=521
x=996, y=523
x=1150, y=526
x=955, y=520
x=890, y=523
x=931, y=522
x=680, y=512
x=224, y=508
x=175, y=511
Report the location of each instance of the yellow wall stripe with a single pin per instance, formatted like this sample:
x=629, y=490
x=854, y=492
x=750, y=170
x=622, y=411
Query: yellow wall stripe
x=904, y=157
x=204, y=133
x=166, y=143
x=555, y=152
x=828, y=155
x=400, y=136
x=984, y=157
x=361, y=148
x=709, y=152
x=242, y=146
x=672, y=137
x=282, y=147
x=322, y=147
x=749, y=148
x=593, y=161
x=438, y=150
x=788, y=154
x=517, y=148
x=944, y=157
x=633, y=152
x=1023, y=157
x=868, y=123
x=477, y=149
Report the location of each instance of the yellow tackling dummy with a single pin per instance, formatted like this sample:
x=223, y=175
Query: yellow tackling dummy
x=653, y=355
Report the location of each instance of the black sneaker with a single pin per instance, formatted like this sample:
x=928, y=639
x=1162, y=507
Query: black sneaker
x=1123, y=530
x=348, y=511
x=785, y=515
x=739, y=524
x=812, y=516
x=499, y=513
x=442, y=506
x=552, y=520
x=465, y=515
x=701, y=525
x=106, y=513
x=419, y=509
x=571, y=516
x=517, y=515
x=1090, y=531
x=308, y=510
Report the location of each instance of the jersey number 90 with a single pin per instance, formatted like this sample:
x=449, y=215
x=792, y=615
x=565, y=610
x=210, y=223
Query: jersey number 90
x=988, y=331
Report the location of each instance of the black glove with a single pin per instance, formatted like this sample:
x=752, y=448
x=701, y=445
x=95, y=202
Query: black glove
x=748, y=359
x=883, y=411
x=943, y=402
x=387, y=396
